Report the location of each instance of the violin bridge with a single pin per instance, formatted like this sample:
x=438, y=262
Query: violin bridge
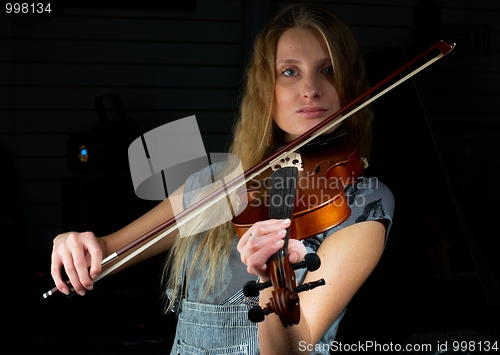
x=293, y=159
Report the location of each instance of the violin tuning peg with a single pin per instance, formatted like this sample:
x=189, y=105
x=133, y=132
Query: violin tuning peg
x=257, y=314
x=252, y=288
x=309, y=286
x=311, y=261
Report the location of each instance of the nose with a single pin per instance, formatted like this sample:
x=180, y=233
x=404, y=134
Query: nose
x=312, y=87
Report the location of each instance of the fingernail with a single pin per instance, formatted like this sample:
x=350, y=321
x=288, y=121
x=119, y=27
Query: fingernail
x=81, y=293
x=282, y=232
x=286, y=221
x=280, y=242
x=65, y=291
x=93, y=276
x=90, y=288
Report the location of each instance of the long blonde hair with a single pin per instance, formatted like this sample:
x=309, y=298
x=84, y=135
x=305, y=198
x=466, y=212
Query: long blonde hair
x=255, y=135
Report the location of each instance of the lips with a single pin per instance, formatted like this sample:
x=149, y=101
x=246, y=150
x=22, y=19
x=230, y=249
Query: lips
x=311, y=112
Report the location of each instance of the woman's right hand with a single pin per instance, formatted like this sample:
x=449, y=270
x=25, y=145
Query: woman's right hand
x=76, y=252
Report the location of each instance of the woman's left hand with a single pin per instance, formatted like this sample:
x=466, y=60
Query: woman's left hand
x=264, y=239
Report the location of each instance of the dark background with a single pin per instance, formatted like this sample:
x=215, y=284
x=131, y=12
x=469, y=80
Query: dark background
x=436, y=146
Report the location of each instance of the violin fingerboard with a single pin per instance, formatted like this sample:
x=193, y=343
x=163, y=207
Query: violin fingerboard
x=282, y=195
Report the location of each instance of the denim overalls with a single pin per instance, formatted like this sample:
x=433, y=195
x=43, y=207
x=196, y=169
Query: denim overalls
x=222, y=329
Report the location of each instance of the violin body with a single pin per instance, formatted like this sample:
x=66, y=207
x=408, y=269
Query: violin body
x=320, y=204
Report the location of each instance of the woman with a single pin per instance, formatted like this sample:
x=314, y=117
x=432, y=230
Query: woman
x=306, y=65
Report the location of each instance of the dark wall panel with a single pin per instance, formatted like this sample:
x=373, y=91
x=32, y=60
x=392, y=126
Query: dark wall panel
x=169, y=64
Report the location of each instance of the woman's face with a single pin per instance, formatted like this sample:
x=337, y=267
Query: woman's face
x=305, y=93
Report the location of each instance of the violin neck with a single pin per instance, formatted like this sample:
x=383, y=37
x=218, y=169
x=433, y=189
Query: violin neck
x=282, y=198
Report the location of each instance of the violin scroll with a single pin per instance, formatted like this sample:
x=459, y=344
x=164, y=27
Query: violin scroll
x=284, y=302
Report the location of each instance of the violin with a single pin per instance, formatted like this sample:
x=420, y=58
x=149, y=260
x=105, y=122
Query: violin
x=307, y=187
x=285, y=300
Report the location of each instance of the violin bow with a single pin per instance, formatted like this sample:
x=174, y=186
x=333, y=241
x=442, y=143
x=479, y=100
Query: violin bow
x=203, y=204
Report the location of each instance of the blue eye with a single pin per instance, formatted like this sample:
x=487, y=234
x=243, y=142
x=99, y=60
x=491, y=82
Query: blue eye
x=289, y=72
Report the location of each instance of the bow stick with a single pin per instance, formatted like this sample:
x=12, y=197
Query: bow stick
x=322, y=127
